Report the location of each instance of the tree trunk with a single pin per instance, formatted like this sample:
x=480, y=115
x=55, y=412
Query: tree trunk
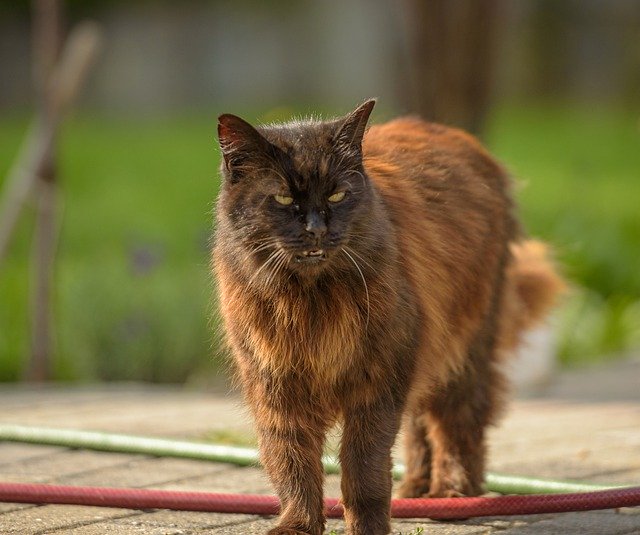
x=451, y=48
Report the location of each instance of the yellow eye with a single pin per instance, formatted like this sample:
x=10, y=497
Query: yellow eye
x=337, y=197
x=283, y=199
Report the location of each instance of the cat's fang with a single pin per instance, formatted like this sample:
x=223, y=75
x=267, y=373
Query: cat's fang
x=312, y=256
x=314, y=252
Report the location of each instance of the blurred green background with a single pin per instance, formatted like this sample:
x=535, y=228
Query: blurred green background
x=138, y=162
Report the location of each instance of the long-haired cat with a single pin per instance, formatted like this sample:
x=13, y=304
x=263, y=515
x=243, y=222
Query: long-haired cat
x=369, y=278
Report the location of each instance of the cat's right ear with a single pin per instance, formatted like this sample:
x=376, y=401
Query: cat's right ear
x=349, y=136
x=240, y=143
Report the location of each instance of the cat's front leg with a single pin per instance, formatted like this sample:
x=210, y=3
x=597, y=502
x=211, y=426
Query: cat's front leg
x=291, y=457
x=291, y=438
x=365, y=458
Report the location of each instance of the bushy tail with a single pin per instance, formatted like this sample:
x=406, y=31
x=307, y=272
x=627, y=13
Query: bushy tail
x=532, y=288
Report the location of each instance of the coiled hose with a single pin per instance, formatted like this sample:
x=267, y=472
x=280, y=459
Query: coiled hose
x=573, y=497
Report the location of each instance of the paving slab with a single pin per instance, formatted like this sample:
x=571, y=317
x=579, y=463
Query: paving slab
x=13, y=453
x=60, y=518
x=585, y=427
x=141, y=471
x=583, y=523
x=65, y=464
x=187, y=520
x=229, y=480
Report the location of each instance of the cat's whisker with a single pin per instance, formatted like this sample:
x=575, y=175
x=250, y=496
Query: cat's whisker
x=285, y=261
x=366, y=288
x=368, y=264
x=360, y=174
x=261, y=244
x=264, y=246
x=359, y=257
x=363, y=238
x=277, y=266
x=265, y=239
x=272, y=257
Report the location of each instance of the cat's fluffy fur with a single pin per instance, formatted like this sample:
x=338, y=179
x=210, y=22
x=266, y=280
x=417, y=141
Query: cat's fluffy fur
x=396, y=302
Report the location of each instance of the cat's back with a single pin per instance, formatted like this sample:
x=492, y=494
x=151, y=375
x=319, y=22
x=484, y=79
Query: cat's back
x=432, y=153
x=437, y=176
x=449, y=204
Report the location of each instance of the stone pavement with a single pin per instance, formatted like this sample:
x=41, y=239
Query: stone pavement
x=586, y=426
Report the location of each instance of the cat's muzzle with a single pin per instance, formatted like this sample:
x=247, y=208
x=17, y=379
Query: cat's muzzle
x=312, y=256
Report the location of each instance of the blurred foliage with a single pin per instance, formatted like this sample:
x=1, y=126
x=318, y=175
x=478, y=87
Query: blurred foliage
x=577, y=169
x=132, y=281
x=93, y=7
x=133, y=289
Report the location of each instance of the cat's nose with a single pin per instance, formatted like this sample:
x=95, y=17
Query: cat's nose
x=315, y=224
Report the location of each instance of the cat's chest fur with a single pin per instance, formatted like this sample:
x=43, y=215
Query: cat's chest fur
x=315, y=332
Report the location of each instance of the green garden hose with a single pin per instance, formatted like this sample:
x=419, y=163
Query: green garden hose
x=112, y=442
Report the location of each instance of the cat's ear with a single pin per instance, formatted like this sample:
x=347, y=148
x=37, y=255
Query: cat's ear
x=240, y=143
x=351, y=131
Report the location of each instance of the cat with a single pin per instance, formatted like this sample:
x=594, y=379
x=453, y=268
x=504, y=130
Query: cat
x=370, y=277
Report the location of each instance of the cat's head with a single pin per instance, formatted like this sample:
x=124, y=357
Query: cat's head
x=295, y=196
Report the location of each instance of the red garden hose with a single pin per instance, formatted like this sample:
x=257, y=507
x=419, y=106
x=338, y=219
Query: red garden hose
x=435, y=508
x=568, y=497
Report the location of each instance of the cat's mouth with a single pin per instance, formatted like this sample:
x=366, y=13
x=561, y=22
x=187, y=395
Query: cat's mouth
x=312, y=256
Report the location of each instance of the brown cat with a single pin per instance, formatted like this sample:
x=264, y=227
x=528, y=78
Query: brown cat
x=364, y=278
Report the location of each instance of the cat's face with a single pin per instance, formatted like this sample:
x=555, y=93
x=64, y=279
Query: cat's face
x=295, y=195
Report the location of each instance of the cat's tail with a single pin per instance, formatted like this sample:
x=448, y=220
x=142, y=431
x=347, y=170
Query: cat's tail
x=533, y=286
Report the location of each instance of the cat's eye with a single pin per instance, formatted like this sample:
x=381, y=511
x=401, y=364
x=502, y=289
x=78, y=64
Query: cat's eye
x=285, y=200
x=337, y=196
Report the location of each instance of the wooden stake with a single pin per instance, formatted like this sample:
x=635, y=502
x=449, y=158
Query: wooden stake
x=47, y=38
x=78, y=55
x=34, y=170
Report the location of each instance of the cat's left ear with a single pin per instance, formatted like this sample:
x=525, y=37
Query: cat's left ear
x=240, y=143
x=351, y=132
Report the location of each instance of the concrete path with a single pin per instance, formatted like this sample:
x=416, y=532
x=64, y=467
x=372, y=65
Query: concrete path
x=585, y=427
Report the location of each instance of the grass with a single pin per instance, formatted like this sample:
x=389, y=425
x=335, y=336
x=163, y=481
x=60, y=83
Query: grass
x=132, y=285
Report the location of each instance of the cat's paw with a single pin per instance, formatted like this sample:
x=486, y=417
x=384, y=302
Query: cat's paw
x=445, y=493
x=455, y=483
x=287, y=531
x=459, y=489
x=413, y=488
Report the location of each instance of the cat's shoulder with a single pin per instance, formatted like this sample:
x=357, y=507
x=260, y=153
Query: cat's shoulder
x=412, y=124
x=413, y=132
